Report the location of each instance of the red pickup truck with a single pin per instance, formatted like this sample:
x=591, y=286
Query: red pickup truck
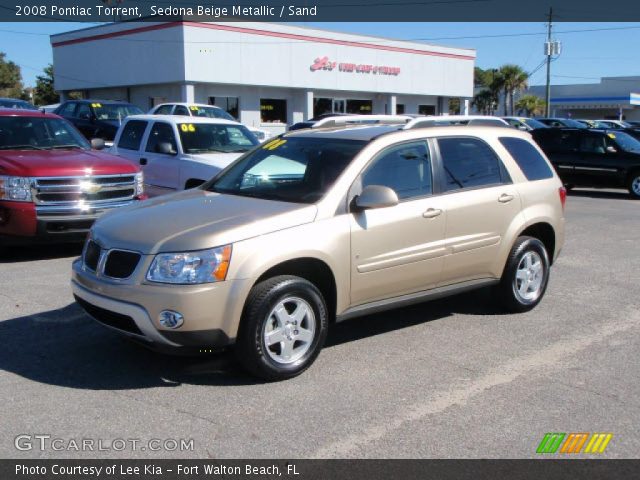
x=52, y=184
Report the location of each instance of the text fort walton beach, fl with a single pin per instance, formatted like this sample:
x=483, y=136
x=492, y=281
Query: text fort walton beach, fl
x=208, y=11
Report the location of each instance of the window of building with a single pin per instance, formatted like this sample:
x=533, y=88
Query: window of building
x=359, y=107
x=228, y=104
x=404, y=168
x=469, y=163
x=161, y=132
x=399, y=108
x=322, y=106
x=427, y=109
x=273, y=110
x=532, y=164
x=132, y=135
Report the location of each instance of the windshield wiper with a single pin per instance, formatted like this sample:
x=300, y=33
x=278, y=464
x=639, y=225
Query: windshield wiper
x=20, y=147
x=66, y=146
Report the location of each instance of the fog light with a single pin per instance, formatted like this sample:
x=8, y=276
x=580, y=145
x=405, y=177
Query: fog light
x=170, y=319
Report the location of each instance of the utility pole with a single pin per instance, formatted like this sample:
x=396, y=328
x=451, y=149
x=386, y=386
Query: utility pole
x=549, y=50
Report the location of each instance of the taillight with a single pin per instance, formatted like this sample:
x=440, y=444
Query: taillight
x=563, y=196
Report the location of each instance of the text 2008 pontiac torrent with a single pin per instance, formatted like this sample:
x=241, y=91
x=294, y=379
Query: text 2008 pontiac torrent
x=322, y=225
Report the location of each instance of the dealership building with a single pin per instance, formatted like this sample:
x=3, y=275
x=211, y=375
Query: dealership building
x=267, y=75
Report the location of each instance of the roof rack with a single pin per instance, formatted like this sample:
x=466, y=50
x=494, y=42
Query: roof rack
x=344, y=120
x=452, y=120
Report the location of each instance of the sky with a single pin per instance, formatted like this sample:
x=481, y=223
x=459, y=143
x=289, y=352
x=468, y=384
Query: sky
x=604, y=49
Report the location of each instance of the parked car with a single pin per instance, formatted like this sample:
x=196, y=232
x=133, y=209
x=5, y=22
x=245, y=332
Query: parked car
x=591, y=123
x=322, y=225
x=524, y=123
x=49, y=108
x=52, y=184
x=614, y=124
x=633, y=123
x=453, y=120
x=593, y=158
x=97, y=118
x=203, y=110
x=561, y=123
x=176, y=152
x=309, y=123
x=17, y=104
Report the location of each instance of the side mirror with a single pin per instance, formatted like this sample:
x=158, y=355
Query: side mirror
x=97, y=143
x=611, y=149
x=376, y=196
x=165, y=148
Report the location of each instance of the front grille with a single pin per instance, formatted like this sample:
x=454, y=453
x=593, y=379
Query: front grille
x=92, y=255
x=121, y=264
x=109, y=318
x=88, y=190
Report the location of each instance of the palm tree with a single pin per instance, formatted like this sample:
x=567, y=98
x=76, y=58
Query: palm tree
x=513, y=79
x=530, y=104
x=485, y=101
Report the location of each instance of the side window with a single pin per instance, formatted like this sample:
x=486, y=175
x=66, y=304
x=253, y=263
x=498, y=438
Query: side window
x=68, y=109
x=404, y=168
x=181, y=110
x=164, y=110
x=84, y=111
x=161, y=132
x=469, y=163
x=132, y=135
x=593, y=144
x=532, y=164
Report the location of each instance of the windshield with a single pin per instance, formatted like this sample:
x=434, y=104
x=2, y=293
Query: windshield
x=208, y=137
x=210, y=112
x=568, y=122
x=533, y=123
x=15, y=103
x=36, y=133
x=625, y=141
x=105, y=111
x=299, y=170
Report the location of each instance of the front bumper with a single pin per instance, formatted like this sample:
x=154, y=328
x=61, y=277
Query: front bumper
x=132, y=308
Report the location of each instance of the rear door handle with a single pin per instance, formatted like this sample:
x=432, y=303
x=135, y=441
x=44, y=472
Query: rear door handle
x=432, y=213
x=505, y=198
x=143, y=161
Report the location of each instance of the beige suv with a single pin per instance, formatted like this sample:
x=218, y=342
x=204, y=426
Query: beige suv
x=321, y=225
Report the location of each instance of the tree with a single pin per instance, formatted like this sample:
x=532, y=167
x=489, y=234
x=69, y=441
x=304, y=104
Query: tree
x=454, y=106
x=485, y=101
x=10, y=79
x=513, y=79
x=44, y=93
x=531, y=105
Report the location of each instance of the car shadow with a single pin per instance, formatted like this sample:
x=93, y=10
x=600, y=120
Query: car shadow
x=595, y=193
x=65, y=347
x=25, y=253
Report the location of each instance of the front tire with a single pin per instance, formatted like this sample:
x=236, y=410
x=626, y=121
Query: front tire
x=525, y=276
x=283, y=328
x=634, y=185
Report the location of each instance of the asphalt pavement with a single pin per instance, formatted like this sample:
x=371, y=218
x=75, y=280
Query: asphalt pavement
x=451, y=378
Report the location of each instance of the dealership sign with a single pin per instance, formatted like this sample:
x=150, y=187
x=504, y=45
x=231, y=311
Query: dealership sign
x=323, y=63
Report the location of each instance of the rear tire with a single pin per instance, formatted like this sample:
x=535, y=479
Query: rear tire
x=634, y=185
x=283, y=328
x=525, y=276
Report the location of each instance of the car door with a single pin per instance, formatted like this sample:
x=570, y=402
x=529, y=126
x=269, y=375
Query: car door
x=561, y=147
x=161, y=170
x=397, y=250
x=85, y=120
x=481, y=204
x=600, y=163
x=129, y=142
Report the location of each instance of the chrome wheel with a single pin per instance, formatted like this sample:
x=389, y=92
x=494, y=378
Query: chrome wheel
x=527, y=284
x=635, y=186
x=289, y=330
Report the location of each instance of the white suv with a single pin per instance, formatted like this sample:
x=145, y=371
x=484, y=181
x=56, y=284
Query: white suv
x=177, y=152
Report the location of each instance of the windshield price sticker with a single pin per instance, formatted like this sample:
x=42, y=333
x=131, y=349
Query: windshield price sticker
x=611, y=135
x=96, y=105
x=187, y=127
x=194, y=108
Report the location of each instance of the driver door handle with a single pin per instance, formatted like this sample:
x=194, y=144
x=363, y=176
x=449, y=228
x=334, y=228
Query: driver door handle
x=505, y=198
x=432, y=213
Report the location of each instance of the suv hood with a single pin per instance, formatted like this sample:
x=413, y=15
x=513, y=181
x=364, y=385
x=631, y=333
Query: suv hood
x=195, y=220
x=61, y=163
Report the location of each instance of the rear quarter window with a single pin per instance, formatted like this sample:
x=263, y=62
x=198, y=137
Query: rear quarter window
x=132, y=135
x=532, y=164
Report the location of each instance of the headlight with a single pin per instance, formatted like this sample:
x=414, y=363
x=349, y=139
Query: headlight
x=17, y=189
x=139, y=184
x=202, y=266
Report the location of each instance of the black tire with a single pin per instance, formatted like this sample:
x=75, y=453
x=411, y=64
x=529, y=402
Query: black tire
x=251, y=348
x=634, y=185
x=508, y=290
